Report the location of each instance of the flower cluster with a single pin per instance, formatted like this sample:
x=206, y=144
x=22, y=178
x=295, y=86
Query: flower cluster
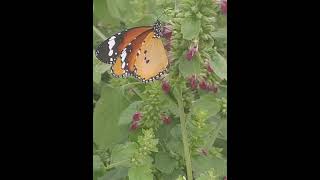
x=194, y=83
x=147, y=144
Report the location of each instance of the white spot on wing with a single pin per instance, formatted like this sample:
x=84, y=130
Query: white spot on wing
x=123, y=54
x=110, y=52
x=111, y=43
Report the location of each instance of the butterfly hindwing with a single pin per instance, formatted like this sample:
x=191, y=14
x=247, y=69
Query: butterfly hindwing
x=133, y=50
x=152, y=61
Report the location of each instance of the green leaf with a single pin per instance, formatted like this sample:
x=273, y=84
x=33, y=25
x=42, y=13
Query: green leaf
x=123, y=152
x=165, y=163
x=98, y=69
x=140, y=173
x=106, y=131
x=176, y=132
x=207, y=104
x=100, y=8
x=172, y=176
x=114, y=8
x=175, y=146
x=102, y=13
x=96, y=77
x=190, y=28
x=98, y=167
x=219, y=65
x=221, y=33
x=188, y=68
x=117, y=173
x=126, y=115
x=200, y=164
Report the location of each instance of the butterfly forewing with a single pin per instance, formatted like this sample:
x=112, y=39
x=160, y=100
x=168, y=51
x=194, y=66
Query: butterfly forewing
x=110, y=49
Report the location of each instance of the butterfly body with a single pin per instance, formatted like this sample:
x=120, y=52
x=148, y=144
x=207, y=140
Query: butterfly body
x=137, y=52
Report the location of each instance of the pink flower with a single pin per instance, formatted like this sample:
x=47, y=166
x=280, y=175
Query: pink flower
x=213, y=88
x=225, y=178
x=165, y=86
x=203, y=85
x=134, y=125
x=191, y=52
x=209, y=68
x=166, y=120
x=223, y=6
x=136, y=116
x=193, y=82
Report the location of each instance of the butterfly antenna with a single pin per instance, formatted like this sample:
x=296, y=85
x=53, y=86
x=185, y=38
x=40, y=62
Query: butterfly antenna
x=161, y=15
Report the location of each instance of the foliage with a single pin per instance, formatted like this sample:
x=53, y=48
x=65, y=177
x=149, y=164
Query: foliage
x=170, y=129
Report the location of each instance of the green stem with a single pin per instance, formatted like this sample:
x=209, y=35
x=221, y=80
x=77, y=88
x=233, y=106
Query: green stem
x=99, y=33
x=184, y=136
x=117, y=164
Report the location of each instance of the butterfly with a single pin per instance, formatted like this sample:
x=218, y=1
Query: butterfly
x=137, y=52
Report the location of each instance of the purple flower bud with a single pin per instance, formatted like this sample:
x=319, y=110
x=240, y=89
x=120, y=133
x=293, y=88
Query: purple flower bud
x=191, y=52
x=134, y=125
x=209, y=68
x=166, y=120
x=203, y=85
x=165, y=86
x=167, y=32
x=223, y=6
x=136, y=116
x=193, y=82
x=213, y=88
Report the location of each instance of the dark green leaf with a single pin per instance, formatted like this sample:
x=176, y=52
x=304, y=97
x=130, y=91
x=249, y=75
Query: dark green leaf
x=107, y=132
x=165, y=163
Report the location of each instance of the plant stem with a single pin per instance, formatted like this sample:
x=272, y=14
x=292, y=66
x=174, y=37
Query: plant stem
x=184, y=136
x=99, y=33
x=117, y=164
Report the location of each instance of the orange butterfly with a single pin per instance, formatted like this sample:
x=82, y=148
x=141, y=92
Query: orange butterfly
x=138, y=51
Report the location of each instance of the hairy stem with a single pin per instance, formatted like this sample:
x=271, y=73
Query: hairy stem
x=184, y=136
